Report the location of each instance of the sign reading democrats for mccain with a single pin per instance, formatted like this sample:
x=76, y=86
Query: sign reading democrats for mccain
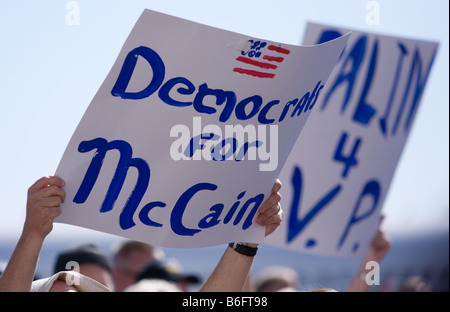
x=187, y=134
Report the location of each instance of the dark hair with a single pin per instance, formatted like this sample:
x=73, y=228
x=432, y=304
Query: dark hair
x=160, y=270
x=82, y=254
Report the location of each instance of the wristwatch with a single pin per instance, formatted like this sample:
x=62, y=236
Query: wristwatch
x=243, y=249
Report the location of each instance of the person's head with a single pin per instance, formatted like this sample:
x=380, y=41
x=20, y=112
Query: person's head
x=89, y=260
x=325, y=289
x=169, y=272
x=129, y=259
x=415, y=283
x=67, y=281
x=153, y=285
x=274, y=278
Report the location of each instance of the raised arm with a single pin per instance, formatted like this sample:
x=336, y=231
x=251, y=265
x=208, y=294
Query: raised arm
x=43, y=205
x=379, y=248
x=232, y=270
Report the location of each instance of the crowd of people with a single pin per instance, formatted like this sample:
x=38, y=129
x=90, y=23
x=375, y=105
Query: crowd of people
x=139, y=267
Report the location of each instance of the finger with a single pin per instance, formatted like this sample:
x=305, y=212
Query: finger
x=49, y=191
x=273, y=210
x=49, y=202
x=54, y=212
x=51, y=212
x=46, y=181
x=271, y=219
x=270, y=211
x=273, y=200
x=274, y=219
x=276, y=186
x=274, y=223
x=380, y=221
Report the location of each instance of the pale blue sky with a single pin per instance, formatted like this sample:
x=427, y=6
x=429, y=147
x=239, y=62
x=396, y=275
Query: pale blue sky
x=50, y=71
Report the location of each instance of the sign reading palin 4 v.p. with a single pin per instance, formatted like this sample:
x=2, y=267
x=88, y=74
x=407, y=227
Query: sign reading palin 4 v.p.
x=340, y=168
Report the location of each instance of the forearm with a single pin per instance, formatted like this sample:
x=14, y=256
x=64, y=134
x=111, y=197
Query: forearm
x=44, y=199
x=359, y=282
x=230, y=273
x=233, y=268
x=21, y=267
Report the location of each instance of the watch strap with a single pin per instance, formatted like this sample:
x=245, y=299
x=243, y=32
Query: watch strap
x=243, y=250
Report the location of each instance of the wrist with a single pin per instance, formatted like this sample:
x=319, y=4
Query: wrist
x=246, y=249
x=30, y=238
x=30, y=245
x=251, y=245
x=32, y=235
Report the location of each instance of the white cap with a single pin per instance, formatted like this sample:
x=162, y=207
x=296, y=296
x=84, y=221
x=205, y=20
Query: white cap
x=79, y=281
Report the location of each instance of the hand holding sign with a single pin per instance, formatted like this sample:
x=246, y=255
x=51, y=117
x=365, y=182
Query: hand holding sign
x=44, y=201
x=270, y=213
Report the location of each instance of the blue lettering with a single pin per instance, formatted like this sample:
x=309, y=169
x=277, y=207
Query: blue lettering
x=254, y=49
x=348, y=161
x=306, y=103
x=213, y=218
x=328, y=35
x=262, y=115
x=384, y=119
x=314, y=96
x=178, y=210
x=295, y=225
x=364, y=112
x=216, y=152
x=301, y=105
x=221, y=97
x=127, y=70
x=286, y=108
x=416, y=70
x=233, y=209
x=355, y=56
x=143, y=214
x=372, y=189
x=243, y=150
x=125, y=161
x=194, y=143
x=165, y=90
x=219, y=151
x=168, y=92
x=240, y=108
x=256, y=201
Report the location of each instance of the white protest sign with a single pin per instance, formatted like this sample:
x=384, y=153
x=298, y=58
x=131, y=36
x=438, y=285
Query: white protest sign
x=339, y=171
x=184, y=139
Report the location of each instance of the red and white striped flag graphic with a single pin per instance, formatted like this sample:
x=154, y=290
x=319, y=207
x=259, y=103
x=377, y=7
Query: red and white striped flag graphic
x=263, y=58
